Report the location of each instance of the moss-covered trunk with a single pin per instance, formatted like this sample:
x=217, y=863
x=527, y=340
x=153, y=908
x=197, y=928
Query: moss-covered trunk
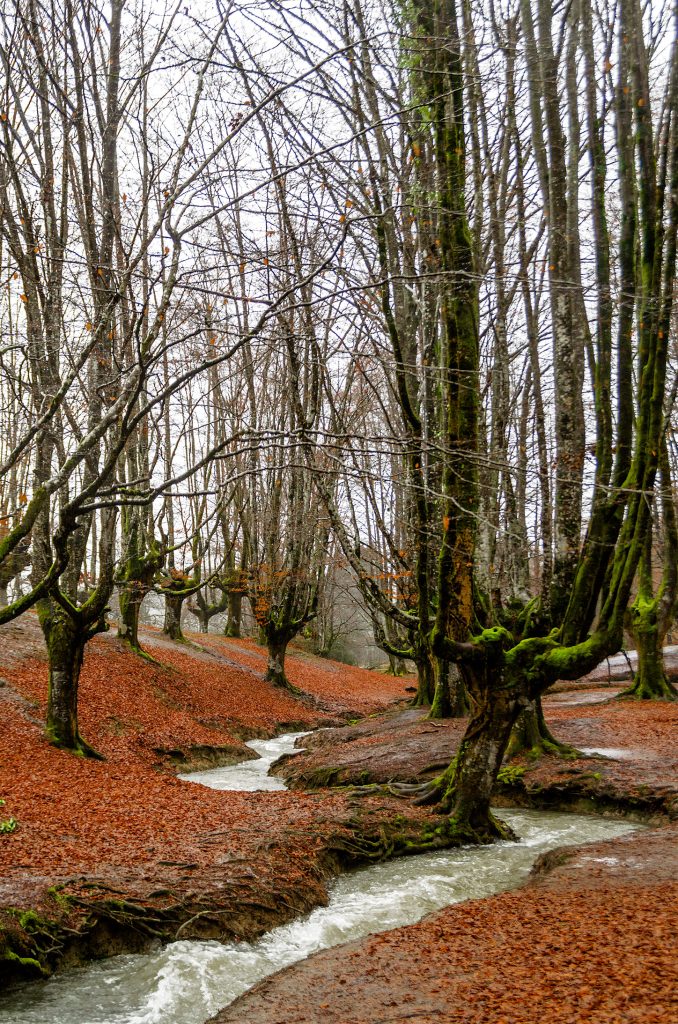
x=464, y=791
x=426, y=679
x=143, y=558
x=234, y=616
x=441, y=706
x=650, y=681
x=129, y=599
x=532, y=736
x=65, y=640
x=174, y=604
x=450, y=699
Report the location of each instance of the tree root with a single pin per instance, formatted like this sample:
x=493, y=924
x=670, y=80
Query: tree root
x=422, y=794
x=81, y=748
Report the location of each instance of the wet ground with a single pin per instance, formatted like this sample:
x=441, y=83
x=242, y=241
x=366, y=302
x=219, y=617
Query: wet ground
x=631, y=754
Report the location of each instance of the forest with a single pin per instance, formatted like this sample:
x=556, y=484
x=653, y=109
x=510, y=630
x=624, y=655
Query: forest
x=329, y=325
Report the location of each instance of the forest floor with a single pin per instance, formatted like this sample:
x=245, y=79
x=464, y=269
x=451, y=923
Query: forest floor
x=108, y=855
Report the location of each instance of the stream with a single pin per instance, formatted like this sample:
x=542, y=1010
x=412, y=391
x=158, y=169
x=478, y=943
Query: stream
x=186, y=982
x=250, y=776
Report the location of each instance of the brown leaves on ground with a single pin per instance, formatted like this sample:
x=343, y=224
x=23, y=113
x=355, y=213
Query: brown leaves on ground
x=78, y=816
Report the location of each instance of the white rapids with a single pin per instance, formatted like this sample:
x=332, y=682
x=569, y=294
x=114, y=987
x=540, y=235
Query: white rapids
x=250, y=776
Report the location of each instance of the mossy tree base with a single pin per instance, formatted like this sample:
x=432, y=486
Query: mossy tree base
x=531, y=736
x=277, y=640
x=650, y=681
x=653, y=688
x=275, y=666
x=174, y=604
x=464, y=790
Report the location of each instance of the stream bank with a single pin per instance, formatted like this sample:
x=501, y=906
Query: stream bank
x=589, y=940
x=185, y=982
x=113, y=855
x=628, y=767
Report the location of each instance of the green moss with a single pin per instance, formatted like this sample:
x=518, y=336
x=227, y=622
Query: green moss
x=509, y=774
x=33, y=946
x=25, y=961
x=30, y=920
x=62, y=900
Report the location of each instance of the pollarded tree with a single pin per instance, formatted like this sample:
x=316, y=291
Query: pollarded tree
x=95, y=240
x=507, y=668
x=509, y=656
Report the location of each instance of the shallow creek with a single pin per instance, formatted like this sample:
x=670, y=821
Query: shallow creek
x=186, y=982
x=250, y=776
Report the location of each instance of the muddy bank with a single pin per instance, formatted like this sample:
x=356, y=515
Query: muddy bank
x=630, y=766
x=588, y=941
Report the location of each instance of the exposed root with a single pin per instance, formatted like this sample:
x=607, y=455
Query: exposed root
x=371, y=789
x=139, y=651
x=431, y=794
x=81, y=748
x=423, y=794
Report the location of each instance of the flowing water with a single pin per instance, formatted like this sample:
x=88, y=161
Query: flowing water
x=186, y=982
x=250, y=776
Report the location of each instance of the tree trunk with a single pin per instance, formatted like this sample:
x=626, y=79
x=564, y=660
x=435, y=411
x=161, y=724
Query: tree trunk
x=464, y=791
x=173, y=607
x=130, y=599
x=441, y=706
x=450, y=699
x=135, y=578
x=458, y=694
x=65, y=647
x=650, y=681
x=532, y=736
x=397, y=666
x=203, y=621
x=275, y=669
x=234, y=616
x=426, y=682
x=3, y=595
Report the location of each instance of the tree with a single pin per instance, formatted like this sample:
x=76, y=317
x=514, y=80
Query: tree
x=505, y=668
x=510, y=652
x=95, y=244
x=654, y=608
